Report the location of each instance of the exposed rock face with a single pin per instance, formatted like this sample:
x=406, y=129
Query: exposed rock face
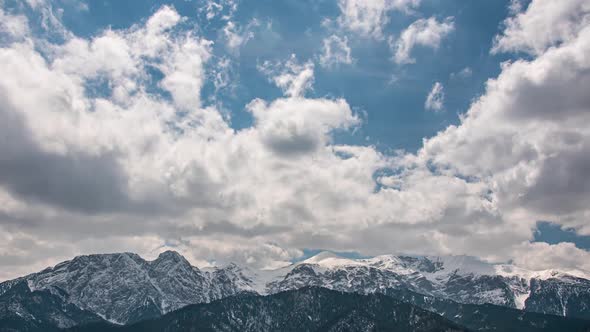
x=124, y=288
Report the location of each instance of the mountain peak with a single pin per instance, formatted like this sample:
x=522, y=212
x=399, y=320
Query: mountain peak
x=170, y=255
x=323, y=255
x=170, y=258
x=330, y=259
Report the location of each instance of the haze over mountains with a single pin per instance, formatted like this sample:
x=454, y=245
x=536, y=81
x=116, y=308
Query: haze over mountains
x=124, y=288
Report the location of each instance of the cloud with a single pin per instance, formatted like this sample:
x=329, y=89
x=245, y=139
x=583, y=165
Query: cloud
x=143, y=163
x=291, y=76
x=223, y=9
x=463, y=73
x=335, y=51
x=49, y=17
x=526, y=138
x=368, y=17
x=184, y=74
x=544, y=24
x=423, y=32
x=13, y=26
x=237, y=36
x=540, y=255
x=436, y=98
x=64, y=142
x=99, y=164
x=297, y=126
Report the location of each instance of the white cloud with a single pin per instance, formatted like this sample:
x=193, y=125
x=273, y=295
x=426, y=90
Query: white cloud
x=435, y=98
x=131, y=169
x=515, y=6
x=121, y=55
x=236, y=36
x=299, y=126
x=541, y=255
x=50, y=18
x=153, y=38
x=163, y=171
x=109, y=54
x=368, y=17
x=423, y=32
x=224, y=9
x=222, y=75
x=526, y=141
x=292, y=77
x=13, y=26
x=335, y=51
x=184, y=74
x=463, y=73
x=545, y=23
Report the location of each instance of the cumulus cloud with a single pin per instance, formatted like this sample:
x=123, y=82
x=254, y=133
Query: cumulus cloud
x=544, y=24
x=296, y=125
x=101, y=164
x=423, y=32
x=436, y=98
x=335, y=51
x=146, y=164
x=300, y=126
x=183, y=72
x=368, y=17
x=540, y=255
x=525, y=139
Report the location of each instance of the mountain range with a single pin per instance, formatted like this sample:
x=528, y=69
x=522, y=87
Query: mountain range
x=124, y=289
x=306, y=309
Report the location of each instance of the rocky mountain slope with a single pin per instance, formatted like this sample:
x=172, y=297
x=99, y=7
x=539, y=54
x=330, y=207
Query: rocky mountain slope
x=488, y=317
x=24, y=310
x=124, y=288
x=462, y=279
x=307, y=309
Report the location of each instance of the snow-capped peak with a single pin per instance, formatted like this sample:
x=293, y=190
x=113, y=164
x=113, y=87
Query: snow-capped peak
x=328, y=259
x=508, y=270
x=407, y=263
x=463, y=265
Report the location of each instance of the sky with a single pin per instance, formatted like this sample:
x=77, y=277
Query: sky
x=259, y=132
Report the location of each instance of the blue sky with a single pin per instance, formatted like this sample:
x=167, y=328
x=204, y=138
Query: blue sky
x=258, y=131
x=553, y=234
